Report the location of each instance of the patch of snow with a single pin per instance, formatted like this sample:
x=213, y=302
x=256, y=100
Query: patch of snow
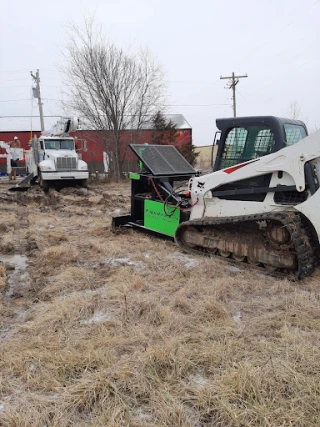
x=18, y=278
x=20, y=262
x=91, y=291
x=1, y=407
x=238, y=319
x=123, y=261
x=84, y=292
x=188, y=261
x=146, y=255
x=233, y=269
x=310, y=295
x=32, y=367
x=99, y=316
x=192, y=417
x=141, y=414
x=198, y=380
x=21, y=316
x=116, y=211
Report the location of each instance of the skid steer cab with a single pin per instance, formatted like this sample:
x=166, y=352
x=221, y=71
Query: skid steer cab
x=241, y=139
x=244, y=139
x=259, y=206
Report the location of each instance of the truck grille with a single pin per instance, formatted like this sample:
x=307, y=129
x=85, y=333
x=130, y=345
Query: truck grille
x=66, y=163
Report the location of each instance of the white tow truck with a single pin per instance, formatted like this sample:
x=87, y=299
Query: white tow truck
x=53, y=157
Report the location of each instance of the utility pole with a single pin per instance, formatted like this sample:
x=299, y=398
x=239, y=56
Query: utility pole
x=234, y=80
x=36, y=94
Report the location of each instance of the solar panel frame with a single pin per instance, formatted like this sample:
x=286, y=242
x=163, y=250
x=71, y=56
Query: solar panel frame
x=162, y=160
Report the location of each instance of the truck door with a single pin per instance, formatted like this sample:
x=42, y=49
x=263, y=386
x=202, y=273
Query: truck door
x=41, y=150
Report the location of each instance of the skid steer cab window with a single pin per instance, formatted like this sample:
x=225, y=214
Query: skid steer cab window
x=59, y=144
x=294, y=133
x=246, y=143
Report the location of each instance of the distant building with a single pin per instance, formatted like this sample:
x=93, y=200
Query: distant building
x=21, y=127
x=203, y=160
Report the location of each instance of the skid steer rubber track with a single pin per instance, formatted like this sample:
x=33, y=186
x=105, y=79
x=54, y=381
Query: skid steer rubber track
x=286, y=251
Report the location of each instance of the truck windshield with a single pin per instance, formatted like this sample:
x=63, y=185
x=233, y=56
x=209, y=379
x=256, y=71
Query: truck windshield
x=59, y=144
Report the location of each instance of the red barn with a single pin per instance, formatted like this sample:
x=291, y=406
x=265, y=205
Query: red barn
x=21, y=127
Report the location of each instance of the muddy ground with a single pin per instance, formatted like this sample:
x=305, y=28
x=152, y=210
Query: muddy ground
x=124, y=329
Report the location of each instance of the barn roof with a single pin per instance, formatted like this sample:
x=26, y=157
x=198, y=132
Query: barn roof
x=27, y=123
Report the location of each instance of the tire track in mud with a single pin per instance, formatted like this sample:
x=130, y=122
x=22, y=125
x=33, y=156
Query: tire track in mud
x=23, y=276
x=18, y=279
x=16, y=300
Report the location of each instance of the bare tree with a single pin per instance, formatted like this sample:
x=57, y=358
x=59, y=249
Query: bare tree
x=111, y=88
x=294, y=111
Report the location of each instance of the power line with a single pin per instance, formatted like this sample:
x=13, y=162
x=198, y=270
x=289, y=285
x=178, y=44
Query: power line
x=23, y=71
x=24, y=86
x=13, y=71
x=191, y=105
x=163, y=105
x=8, y=117
x=210, y=82
x=13, y=80
x=15, y=100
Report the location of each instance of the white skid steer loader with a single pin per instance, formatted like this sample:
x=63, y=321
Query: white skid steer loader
x=259, y=206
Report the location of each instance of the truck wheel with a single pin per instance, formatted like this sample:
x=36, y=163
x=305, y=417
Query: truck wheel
x=43, y=184
x=84, y=183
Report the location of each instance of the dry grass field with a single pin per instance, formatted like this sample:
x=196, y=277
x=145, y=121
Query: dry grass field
x=102, y=329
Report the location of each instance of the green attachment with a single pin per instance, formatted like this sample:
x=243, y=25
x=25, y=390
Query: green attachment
x=156, y=219
x=134, y=176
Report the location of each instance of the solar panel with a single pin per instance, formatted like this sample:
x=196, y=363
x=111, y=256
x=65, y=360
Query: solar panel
x=162, y=159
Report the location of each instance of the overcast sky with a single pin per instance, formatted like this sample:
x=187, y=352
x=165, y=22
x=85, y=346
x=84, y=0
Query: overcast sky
x=276, y=42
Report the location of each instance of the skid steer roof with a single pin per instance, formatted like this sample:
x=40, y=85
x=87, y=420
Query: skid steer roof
x=161, y=160
x=273, y=121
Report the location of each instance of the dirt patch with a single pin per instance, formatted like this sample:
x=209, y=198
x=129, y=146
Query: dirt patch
x=103, y=329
